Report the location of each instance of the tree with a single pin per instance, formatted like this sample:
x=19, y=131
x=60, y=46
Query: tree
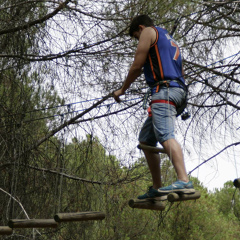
x=227, y=200
x=22, y=99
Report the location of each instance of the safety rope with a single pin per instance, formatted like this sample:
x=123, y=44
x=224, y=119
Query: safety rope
x=170, y=149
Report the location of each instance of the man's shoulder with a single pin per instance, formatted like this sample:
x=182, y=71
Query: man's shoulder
x=150, y=32
x=150, y=29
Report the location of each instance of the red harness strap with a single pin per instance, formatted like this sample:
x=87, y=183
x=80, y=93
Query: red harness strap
x=159, y=101
x=163, y=101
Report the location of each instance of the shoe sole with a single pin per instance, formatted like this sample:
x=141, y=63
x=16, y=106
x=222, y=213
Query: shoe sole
x=184, y=191
x=161, y=198
x=158, y=198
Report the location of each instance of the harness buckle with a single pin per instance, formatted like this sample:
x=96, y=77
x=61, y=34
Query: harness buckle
x=166, y=82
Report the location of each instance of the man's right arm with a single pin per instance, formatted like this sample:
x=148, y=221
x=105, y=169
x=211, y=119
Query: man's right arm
x=141, y=54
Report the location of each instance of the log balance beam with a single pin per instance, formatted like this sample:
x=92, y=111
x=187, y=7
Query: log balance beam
x=79, y=216
x=32, y=223
x=4, y=230
x=174, y=197
x=151, y=148
x=236, y=182
x=157, y=203
x=53, y=223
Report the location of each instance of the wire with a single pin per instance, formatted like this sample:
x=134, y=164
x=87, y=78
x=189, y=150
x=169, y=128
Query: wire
x=67, y=113
x=47, y=108
x=94, y=99
x=68, y=105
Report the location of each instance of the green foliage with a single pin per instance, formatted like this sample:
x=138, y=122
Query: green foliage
x=228, y=201
x=95, y=181
x=196, y=220
x=23, y=112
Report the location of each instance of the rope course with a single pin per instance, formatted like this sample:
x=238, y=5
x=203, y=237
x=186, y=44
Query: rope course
x=69, y=105
x=159, y=203
x=79, y=156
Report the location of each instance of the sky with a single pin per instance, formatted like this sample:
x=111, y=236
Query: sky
x=214, y=175
x=217, y=171
x=227, y=165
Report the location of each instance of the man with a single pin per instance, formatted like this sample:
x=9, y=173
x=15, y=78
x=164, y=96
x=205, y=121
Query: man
x=158, y=54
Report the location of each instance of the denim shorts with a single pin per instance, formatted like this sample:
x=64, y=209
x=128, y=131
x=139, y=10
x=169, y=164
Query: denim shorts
x=161, y=125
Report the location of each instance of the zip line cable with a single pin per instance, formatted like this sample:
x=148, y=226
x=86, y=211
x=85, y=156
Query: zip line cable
x=68, y=105
x=81, y=110
x=77, y=111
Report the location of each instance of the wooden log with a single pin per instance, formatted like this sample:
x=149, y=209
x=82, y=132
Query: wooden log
x=157, y=203
x=236, y=182
x=174, y=197
x=150, y=148
x=79, y=216
x=32, y=223
x=4, y=230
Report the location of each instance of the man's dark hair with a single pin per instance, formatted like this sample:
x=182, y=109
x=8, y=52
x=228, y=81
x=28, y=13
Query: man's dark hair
x=140, y=20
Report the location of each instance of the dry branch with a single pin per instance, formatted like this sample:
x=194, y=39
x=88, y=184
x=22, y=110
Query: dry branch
x=38, y=21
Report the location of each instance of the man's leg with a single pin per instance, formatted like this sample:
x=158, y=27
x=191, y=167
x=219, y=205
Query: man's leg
x=182, y=185
x=174, y=152
x=153, y=160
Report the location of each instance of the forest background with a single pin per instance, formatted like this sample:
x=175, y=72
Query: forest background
x=66, y=146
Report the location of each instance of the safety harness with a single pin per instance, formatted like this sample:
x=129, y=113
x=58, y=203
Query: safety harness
x=166, y=83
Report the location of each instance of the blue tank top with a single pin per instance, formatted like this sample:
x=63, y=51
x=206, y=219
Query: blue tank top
x=164, y=61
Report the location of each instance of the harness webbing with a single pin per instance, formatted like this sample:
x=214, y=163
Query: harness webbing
x=166, y=83
x=163, y=101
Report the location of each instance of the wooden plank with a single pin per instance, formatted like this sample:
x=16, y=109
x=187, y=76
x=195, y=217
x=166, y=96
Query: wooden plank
x=32, y=223
x=151, y=148
x=4, y=230
x=157, y=203
x=236, y=183
x=79, y=216
x=174, y=197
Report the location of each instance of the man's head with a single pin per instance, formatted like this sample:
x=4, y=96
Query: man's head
x=144, y=20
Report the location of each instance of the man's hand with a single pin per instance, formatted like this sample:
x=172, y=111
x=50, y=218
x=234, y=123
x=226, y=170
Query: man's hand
x=117, y=94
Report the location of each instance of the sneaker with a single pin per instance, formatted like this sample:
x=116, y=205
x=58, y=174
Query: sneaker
x=178, y=187
x=151, y=193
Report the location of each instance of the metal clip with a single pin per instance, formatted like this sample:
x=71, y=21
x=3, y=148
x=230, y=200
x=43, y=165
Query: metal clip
x=145, y=99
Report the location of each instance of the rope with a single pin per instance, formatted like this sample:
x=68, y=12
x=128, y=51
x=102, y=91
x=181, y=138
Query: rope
x=170, y=149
